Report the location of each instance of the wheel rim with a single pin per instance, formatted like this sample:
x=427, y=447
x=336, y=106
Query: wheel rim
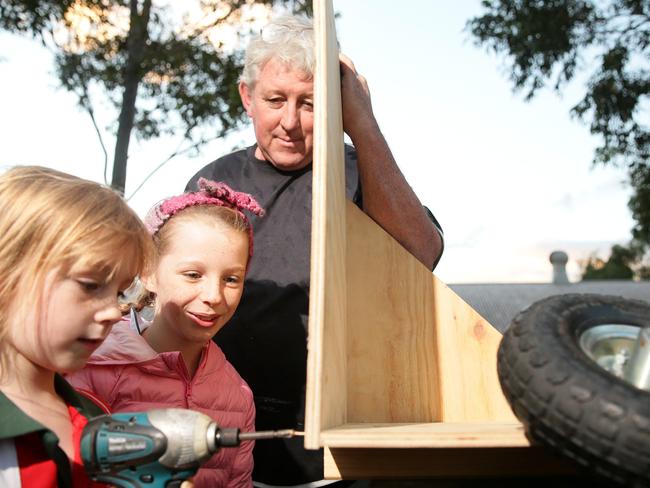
x=610, y=346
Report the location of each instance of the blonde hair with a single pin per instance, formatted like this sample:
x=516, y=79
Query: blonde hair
x=52, y=220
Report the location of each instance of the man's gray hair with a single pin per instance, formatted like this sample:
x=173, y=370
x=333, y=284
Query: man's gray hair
x=289, y=39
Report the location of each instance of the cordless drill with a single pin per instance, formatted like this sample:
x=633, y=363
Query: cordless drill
x=156, y=449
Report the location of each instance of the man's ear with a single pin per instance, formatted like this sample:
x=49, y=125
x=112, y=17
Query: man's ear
x=245, y=94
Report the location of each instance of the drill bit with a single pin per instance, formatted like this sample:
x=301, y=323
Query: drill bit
x=266, y=434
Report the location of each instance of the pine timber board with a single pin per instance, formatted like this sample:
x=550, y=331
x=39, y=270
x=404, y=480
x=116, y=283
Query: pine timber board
x=426, y=435
x=326, y=358
x=416, y=352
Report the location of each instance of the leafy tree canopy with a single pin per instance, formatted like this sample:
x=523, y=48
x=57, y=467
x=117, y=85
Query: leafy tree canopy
x=550, y=41
x=166, y=67
x=619, y=265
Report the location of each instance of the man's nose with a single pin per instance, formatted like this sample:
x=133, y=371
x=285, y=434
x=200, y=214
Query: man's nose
x=291, y=117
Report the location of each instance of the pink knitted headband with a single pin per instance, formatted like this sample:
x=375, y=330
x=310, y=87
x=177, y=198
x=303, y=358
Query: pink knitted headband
x=210, y=193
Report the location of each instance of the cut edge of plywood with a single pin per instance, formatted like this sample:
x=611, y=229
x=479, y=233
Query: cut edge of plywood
x=326, y=358
x=433, y=435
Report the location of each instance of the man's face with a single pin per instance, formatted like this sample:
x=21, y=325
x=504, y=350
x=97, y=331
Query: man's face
x=281, y=107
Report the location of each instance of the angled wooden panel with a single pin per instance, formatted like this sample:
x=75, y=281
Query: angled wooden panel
x=416, y=351
x=326, y=384
x=467, y=361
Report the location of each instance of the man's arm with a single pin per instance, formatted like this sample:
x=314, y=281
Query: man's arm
x=387, y=197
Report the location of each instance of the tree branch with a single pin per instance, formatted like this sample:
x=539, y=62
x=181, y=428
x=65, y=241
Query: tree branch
x=174, y=154
x=89, y=109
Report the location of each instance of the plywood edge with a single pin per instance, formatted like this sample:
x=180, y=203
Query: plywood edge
x=426, y=435
x=325, y=390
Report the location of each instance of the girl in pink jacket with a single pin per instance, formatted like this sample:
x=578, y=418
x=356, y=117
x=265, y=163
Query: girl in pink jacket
x=204, y=243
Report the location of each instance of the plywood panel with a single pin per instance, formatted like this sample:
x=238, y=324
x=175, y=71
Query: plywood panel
x=391, y=365
x=416, y=351
x=466, y=356
x=326, y=383
x=388, y=342
x=401, y=379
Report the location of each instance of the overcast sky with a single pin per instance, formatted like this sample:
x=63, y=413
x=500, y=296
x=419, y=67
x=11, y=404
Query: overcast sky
x=510, y=181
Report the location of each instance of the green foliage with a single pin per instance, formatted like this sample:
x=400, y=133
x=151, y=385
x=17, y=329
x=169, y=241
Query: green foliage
x=550, y=41
x=162, y=74
x=617, y=267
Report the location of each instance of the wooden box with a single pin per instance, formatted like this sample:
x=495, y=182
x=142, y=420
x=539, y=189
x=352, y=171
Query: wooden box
x=401, y=378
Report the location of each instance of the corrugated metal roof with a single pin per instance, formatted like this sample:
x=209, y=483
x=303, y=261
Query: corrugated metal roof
x=498, y=303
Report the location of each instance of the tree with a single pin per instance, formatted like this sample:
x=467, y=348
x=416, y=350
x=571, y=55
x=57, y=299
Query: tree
x=619, y=265
x=162, y=73
x=550, y=41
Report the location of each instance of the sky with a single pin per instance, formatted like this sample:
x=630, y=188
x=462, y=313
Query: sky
x=509, y=180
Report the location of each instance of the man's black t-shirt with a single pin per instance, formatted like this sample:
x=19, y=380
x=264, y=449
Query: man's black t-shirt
x=266, y=340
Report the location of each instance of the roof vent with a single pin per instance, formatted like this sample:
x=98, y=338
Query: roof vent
x=558, y=260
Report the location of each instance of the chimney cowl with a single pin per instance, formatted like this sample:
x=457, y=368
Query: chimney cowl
x=559, y=259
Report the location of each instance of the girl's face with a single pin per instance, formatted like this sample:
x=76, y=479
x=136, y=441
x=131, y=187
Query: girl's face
x=199, y=280
x=77, y=313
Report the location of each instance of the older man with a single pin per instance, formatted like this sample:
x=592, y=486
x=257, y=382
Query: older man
x=266, y=339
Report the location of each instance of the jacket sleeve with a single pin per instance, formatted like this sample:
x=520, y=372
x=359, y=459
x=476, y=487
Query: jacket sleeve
x=98, y=380
x=241, y=475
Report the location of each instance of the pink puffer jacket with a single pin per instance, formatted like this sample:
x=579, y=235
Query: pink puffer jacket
x=130, y=376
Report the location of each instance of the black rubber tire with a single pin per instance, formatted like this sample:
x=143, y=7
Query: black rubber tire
x=564, y=399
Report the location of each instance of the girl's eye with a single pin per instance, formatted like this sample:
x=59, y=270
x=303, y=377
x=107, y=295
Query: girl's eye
x=88, y=286
x=233, y=280
x=192, y=275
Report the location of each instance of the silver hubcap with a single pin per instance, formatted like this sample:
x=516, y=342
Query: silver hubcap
x=622, y=350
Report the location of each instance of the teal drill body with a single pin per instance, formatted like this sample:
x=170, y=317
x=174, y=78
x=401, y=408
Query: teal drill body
x=156, y=449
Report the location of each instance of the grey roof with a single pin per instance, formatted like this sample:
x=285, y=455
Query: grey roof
x=498, y=303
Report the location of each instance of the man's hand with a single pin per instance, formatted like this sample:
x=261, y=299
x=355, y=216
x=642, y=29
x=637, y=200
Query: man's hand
x=387, y=197
x=358, y=117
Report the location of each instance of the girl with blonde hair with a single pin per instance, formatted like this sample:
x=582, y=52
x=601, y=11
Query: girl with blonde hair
x=68, y=249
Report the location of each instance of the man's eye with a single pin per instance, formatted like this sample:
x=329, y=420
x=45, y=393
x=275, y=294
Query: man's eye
x=274, y=102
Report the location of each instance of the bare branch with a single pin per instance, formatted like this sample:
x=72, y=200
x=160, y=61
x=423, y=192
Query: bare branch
x=89, y=109
x=174, y=154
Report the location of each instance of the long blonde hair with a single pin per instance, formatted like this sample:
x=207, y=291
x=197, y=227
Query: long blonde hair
x=52, y=220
